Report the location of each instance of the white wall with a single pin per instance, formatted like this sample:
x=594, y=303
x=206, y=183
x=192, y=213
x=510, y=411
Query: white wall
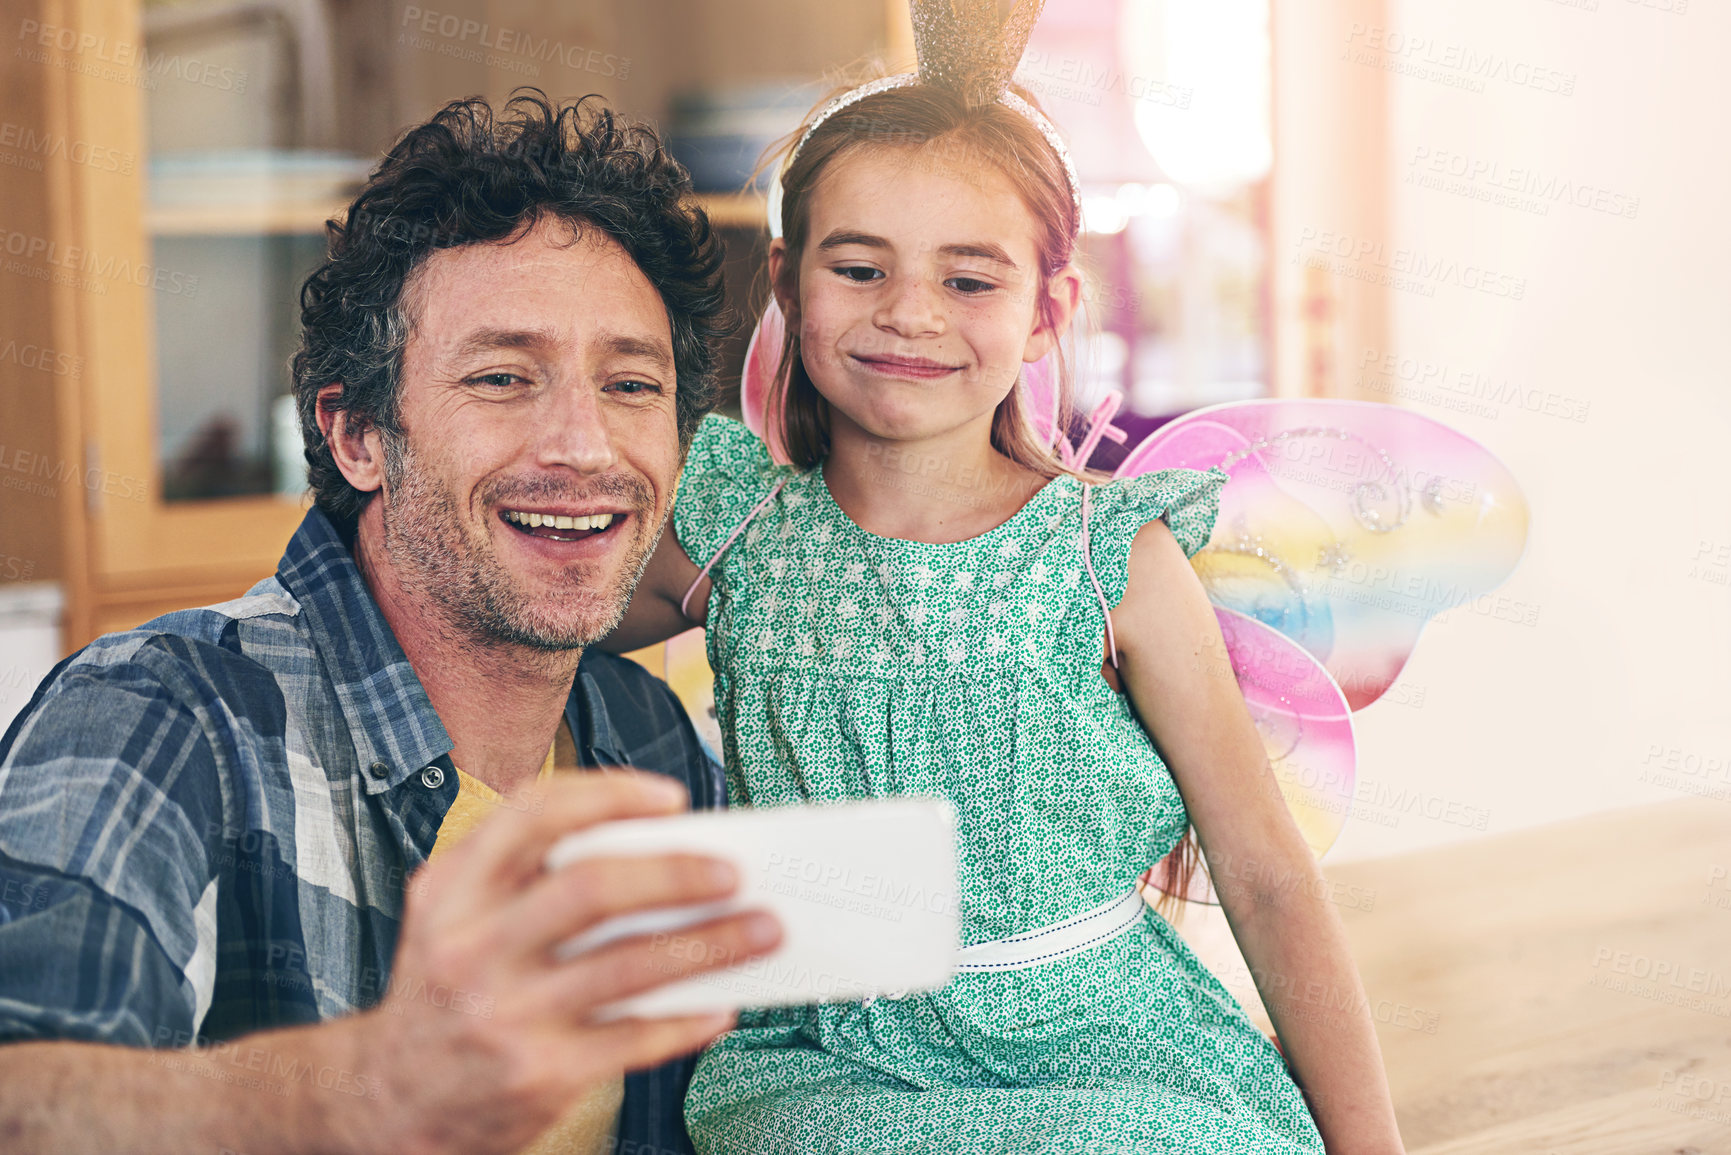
x=1631, y=317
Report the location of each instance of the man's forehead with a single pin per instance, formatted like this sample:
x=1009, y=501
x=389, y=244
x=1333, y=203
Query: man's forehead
x=544, y=339
x=546, y=286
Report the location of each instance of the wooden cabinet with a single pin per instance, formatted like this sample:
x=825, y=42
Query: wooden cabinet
x=83, y=285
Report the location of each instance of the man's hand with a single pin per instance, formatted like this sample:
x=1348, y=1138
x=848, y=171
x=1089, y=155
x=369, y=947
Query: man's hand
x=426, y=1070
x=491, y=1070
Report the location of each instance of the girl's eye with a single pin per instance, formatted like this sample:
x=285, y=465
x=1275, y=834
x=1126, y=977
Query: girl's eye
x=971, y=286
x=866, y=273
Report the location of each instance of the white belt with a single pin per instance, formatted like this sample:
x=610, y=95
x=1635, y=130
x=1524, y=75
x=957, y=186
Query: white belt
x=1060, y=940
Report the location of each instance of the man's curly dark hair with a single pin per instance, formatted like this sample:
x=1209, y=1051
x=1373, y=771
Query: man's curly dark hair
x=467, y=177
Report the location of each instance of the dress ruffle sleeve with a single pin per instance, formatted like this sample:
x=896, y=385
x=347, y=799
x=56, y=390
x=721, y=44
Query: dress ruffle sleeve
x=1187, y=500
x=727, y=472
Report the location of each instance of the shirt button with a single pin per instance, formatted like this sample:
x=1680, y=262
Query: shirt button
x=379, y=770
x=432, y=778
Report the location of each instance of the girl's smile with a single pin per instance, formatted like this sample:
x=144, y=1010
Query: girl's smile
x=914, y=368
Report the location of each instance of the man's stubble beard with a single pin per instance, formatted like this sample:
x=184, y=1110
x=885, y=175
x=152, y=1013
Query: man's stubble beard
x=471, y=590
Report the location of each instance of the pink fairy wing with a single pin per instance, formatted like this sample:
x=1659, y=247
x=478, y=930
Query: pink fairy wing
x=1041, y=395
x=1236, y=578
x=1306, y=728
x=1187, y=442
x=1347, y=525
x=762, y=358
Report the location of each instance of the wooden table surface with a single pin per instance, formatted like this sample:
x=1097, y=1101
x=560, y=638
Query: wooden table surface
x=1564, y=990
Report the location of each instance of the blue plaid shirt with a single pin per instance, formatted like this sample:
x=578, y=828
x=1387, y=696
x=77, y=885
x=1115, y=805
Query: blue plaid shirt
x=206, y=822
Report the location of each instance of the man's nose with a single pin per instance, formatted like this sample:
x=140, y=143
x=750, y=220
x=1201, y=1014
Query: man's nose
x=910, y=307
x=573, y=432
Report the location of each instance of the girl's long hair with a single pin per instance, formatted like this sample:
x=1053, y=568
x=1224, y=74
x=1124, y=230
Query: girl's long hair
x=937, y=124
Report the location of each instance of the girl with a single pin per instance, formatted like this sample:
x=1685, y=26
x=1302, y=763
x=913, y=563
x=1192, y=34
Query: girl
x=926, y=601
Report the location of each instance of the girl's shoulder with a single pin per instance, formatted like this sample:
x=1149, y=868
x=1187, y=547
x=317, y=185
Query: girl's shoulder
x=1187, y=500
x=728, y=471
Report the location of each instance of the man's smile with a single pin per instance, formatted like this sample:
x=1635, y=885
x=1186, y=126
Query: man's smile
x=564, y=525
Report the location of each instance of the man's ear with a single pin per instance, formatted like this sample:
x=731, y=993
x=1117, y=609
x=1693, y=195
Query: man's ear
x=782, y=281
x=358, y=451
x=1063, y=298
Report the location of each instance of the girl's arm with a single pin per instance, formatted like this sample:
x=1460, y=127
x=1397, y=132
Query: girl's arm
x=1172, y=656
x=653, y=615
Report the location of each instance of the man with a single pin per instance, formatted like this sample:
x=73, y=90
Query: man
x=207, y=823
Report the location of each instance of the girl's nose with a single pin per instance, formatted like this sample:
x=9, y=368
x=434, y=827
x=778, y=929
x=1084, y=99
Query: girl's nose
x=910, y=308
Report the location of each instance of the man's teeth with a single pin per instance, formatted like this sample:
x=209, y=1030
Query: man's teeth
x=537, y=520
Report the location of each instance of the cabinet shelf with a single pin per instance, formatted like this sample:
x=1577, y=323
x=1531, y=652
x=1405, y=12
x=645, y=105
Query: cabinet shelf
x=232, y=220
x=735, y=210
x=289, y=218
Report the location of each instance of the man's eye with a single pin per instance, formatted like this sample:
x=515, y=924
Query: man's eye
x=971, y=286
x=860, y=274
x=497, y=380
x=635, y=387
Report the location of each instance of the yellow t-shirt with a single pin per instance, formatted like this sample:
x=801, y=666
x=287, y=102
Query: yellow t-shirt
x=590, y=1126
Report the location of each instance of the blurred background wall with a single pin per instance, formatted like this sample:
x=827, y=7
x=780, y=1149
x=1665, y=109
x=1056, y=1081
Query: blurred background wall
x=1255, y=171
x=1588, y=178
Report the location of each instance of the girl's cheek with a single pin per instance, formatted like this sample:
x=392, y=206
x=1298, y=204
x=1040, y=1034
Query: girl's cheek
x=815, y=349
x=811, y=335
x=811, y=311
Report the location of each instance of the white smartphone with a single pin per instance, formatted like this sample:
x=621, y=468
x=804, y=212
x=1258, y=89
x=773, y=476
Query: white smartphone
x=865, y=891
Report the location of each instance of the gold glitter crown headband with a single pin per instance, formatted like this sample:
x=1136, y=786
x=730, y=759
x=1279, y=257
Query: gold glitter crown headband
x=962, y=46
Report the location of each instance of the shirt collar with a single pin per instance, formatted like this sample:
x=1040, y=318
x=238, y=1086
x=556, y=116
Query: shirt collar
x=597, y=740
x=390, y=718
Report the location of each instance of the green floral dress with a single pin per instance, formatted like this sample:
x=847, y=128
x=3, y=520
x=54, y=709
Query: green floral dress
x=850, y=665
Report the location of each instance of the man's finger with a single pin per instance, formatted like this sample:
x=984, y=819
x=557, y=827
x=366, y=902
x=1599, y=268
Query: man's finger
x=575, y=988
x=573, y=898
